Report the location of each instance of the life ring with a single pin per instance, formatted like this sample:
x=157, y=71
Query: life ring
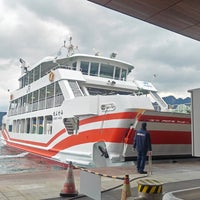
x=51, y=76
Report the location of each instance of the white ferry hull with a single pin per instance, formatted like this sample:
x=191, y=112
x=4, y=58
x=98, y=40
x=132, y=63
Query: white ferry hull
x=104, y=137
x=85, y=109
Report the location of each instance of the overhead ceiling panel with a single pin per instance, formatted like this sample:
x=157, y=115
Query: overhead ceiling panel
x=180, y=16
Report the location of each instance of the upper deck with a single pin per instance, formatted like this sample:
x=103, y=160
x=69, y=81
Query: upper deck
x=87, y=64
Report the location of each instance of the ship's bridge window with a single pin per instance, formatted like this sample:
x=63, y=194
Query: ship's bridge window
x=46, y=67
x=30, y=75
x=37, y=73
x=94, y=69
x=117, y=73
x=106, y=71
x=84, y=67
x=124, y=73
x=25, y=80
x=74, y=65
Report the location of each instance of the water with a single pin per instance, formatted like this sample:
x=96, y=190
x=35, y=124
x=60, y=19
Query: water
x=16, y=161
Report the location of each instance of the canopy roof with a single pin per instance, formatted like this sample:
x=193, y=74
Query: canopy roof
x=180, y=16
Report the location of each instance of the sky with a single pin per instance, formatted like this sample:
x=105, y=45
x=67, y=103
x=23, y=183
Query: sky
x=35, y=29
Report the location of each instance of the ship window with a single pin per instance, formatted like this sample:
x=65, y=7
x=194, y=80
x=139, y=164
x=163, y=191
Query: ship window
x=29, y=102
x=58, y=95
x=18, y=126
x=117, y=73
x=25, y=80
x=74, y=65
x=106, y=71
x=24, y=103
x=50, y=96
x=27, y=125
x=42, y=98
x=40, y=128
x=35, y=100
x=94, y=69
x=30, y=76
x=14, y=126
x=84, y=67
x=124, y=72
x=46, y=67
x=34, y=127
x=22, y=126
x=10, y=128
x=37, y=73
x=19, y=105
x=48, y=124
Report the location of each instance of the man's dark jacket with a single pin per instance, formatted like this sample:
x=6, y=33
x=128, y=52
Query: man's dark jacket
x=142, y=141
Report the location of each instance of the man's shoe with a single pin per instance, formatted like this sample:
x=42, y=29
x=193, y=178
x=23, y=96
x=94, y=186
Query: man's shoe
x=143, y=172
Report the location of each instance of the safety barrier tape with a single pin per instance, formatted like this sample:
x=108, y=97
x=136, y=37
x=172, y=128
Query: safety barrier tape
x=99, y=174
x=103, y=175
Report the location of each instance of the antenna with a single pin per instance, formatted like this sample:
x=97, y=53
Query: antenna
x=70, y=48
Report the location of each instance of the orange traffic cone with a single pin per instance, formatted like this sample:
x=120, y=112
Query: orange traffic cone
x=69, y=189
x=126, y=190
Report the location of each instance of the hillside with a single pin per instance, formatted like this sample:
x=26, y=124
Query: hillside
x=171, y=100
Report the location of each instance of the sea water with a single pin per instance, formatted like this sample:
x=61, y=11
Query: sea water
x=17, y=161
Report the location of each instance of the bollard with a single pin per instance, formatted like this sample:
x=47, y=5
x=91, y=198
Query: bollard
x=149, y=189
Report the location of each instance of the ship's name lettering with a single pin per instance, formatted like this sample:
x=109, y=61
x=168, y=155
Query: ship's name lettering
x=57, y=114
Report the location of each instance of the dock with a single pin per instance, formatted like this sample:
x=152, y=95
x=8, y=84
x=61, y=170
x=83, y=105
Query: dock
x=174, y=174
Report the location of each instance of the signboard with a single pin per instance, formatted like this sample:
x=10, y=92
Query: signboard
x=90, y=185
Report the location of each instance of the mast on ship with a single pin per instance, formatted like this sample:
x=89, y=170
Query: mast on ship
x=70, y=48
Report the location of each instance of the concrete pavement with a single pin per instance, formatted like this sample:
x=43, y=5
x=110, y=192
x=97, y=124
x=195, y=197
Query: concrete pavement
x=42, y=185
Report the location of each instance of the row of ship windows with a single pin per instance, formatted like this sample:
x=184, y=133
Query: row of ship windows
x=41, y=125
x=35, y=125
x=46, y=97
x=103, y=70
x=38, y=72
x=88, y=68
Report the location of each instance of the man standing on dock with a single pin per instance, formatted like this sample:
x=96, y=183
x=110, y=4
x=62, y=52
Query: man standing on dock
x=142, y=143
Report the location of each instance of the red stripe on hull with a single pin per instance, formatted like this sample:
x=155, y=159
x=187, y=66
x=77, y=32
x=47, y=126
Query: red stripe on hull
x=170, y=137
x=36, y=143
x=165, y=119
x=41, y=152
x=123, y=115
x=107, y=135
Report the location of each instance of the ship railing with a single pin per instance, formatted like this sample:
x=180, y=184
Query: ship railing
x=40, y=105
x=63, y=67
x=49, y=102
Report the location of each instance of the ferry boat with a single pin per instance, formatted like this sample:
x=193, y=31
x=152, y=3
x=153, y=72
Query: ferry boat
x=85, y=109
